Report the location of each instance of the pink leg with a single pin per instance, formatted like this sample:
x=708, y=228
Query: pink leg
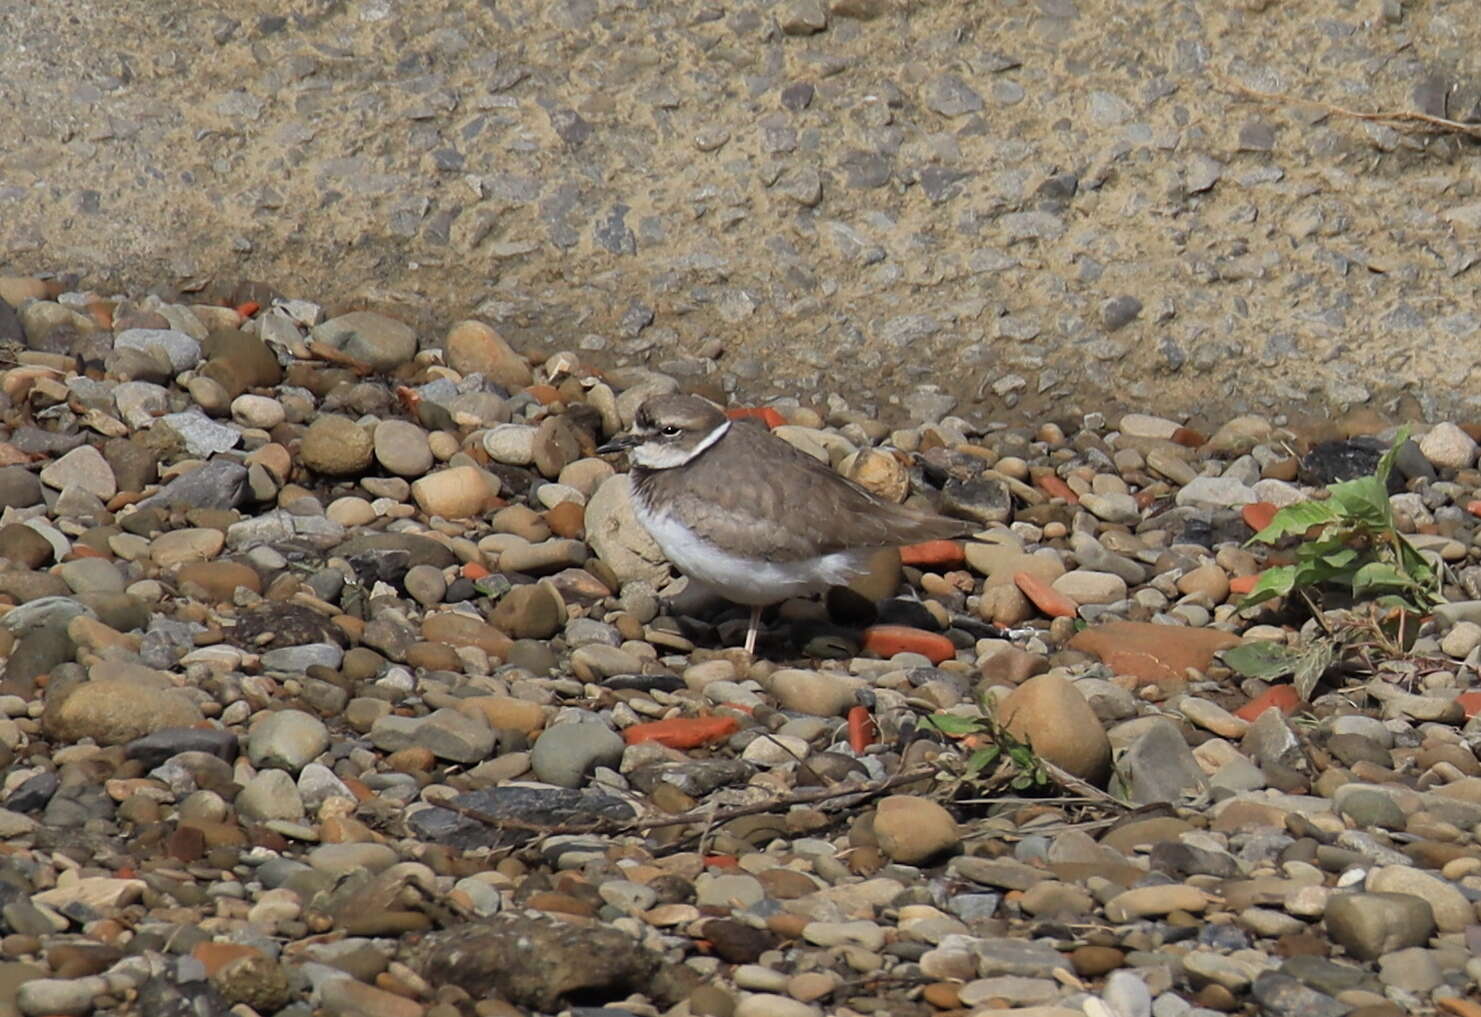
x=755, y=626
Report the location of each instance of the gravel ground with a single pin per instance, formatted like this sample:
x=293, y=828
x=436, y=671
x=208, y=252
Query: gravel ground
x=339, y=679
x=1028, y=205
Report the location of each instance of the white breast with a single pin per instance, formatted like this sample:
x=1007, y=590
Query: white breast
x=747, y=580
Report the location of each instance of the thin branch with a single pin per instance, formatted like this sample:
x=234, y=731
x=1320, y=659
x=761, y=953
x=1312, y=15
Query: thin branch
x=1410, y=120
x=707, y=815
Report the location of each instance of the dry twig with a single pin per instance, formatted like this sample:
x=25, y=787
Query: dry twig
x=706, y=815
x=1399, y=120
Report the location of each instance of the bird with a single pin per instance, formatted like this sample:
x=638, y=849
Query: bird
x=749, y=516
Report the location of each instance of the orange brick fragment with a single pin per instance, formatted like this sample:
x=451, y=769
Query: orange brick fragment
x=1243, y=584
x=1470, y=702
x=1055, y=487
x=861, y=730
x=682, y=732
x=888, y=640
x=1258, y=515
x=768, y=416
x=1281, y=697
x=933, y=552
x=1045, y=597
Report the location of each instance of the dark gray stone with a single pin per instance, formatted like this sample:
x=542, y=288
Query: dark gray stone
x=220, y=484
x=527, y=806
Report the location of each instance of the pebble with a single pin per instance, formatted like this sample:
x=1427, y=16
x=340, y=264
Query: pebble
x=287, y=739
x=565, y=754
x=336, y=446
x=912, y=830
x=455, y=493
x=402, y=448
x=1445, y=445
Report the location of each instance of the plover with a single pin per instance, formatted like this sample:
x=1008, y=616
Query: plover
x=751, y=517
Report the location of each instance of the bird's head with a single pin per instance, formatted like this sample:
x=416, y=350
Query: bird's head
x=671, y=430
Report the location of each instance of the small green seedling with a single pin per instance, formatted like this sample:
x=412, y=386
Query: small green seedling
x=991, y=743
x=1350, y=542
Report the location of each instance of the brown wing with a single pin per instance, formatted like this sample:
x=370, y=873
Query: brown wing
x=735, y=493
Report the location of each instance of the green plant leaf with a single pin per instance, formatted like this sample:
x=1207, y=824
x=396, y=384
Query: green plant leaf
x=1378, y=577
x=1386, y=461
x=1364, y=499
x=982, y=759
x=951, y=724
x=1312, y=662
x=1296, y=519
x=1340, y=559
x=1273, y=582
x=1262, y=659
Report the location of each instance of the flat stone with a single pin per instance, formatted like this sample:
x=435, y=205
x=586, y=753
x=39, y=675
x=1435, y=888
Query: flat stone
x=1156, y=654
x=565, y=754
x=287, y=739
x=83, y=467
x=1369, y=925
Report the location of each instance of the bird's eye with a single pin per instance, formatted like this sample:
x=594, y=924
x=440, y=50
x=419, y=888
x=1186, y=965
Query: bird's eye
x=670, y=431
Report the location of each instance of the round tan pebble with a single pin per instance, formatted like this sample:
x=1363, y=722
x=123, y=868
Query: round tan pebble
x=434, y=656
x=350, y=511
x=911, y=829
x=443, y=445
x=1210, y=580
x=257, y=411
x=456, y=493
x=880, y=473
x=336, y=446
x=476, y=348
x=1050, y=714
x=177, y=547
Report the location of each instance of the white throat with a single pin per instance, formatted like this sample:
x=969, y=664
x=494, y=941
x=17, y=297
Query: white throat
x=653, y=455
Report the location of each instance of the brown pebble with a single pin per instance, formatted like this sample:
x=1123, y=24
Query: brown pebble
x=1301, y=944
x=567, y=519
x=1094, y=961
x=787, y=926
x=711, y=1001
x=413, y=759
x=187, y=844
x=433, y=657
x=78, y=960
x=19, y=945
x=942, y=995
x=1216, y=997
x=561, y=903
x=1282, y=469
